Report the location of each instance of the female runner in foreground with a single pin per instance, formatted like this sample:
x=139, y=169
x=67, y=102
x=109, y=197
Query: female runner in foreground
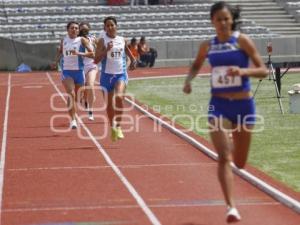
x=231, y=102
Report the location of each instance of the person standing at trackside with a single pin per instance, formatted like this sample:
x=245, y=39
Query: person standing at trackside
x=232, y=105
x=112, y=50
x=90, y=69
x=72, y=50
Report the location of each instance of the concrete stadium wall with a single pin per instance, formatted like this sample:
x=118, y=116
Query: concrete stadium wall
x=174, y=53
x=170, y=53
x=37, y=56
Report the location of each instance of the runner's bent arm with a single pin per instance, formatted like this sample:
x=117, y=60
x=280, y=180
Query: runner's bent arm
x=58, y=55
x=89, y=53
x=101, y=51
x=259, y=70
x=202, y=53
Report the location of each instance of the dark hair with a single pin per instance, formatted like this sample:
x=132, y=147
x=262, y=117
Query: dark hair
x=133, y=40
x=110, y=18
x=70, y=23
x=143, y=38
x=84, y=33
x=85, y=23
x=234, y=11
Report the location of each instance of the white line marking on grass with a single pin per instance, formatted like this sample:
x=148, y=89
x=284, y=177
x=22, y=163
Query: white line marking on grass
x=4, y=142
x=114, y=167
x=276, y=194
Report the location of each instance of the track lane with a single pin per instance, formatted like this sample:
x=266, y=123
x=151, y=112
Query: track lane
x=149, y=159
x=42, y=196
x=159, y=185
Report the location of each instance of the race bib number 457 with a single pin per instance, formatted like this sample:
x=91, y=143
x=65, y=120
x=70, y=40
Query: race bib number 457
x=221, y=80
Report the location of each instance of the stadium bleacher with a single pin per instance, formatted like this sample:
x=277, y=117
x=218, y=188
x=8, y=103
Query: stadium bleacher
x=44, y=21
x=293, y=7
x=175, y=30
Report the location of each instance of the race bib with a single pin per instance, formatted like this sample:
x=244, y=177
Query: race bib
x=221, y=80
x=115, y=53
x=69, y=53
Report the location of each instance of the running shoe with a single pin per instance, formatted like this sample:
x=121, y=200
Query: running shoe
x=120, y=134
x=232, y=215
x=91, y=116
x=73, y=124
x=114, y=136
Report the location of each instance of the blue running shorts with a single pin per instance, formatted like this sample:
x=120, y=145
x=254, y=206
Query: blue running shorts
x=76, y=75
x=108, y=81
x=240, y=111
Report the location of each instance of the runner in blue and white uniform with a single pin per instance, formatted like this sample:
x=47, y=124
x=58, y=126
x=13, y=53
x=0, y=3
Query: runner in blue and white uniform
x=232, y=105
x=70, y=54
x=111, y=51
x=90, y=69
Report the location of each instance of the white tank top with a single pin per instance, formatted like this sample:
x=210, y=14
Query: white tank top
x=86, y=60
x=115, y=60
x=69, y=61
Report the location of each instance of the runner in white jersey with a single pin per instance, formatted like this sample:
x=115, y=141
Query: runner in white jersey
x=112, y=50
x=100, y=36
x=90, y=69
x=72, y=49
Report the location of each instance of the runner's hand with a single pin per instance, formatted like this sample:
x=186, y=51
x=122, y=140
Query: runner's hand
x=187, y=88
x=53, y=66
x=234, y=71
x=109, y=45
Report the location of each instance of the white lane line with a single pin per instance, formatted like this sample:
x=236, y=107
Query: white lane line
x=114, y=167
x=32, y=86
x=4, y=142
x=275, y=193
x=106, y=167
x=128, y=206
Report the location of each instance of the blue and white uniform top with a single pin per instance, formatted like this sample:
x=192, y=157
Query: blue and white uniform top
x=222, y=55
x=69, y=61
x=115, y=60
x=86, y=60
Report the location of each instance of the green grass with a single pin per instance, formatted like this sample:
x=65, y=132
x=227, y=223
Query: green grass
x=275, y=150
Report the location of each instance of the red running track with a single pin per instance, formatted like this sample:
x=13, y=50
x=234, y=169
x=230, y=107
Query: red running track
x=150, y=177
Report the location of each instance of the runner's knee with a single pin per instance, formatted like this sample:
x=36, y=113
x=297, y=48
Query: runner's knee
x=239, y=163
x=224, y=158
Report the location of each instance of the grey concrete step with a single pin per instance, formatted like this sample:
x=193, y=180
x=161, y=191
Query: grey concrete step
x=270, y=25
x=288, y=33
x=251, y=5
x=285, y=28
x=260, y=6
x=278, y=21
x=267, y=16
x=264, y=12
